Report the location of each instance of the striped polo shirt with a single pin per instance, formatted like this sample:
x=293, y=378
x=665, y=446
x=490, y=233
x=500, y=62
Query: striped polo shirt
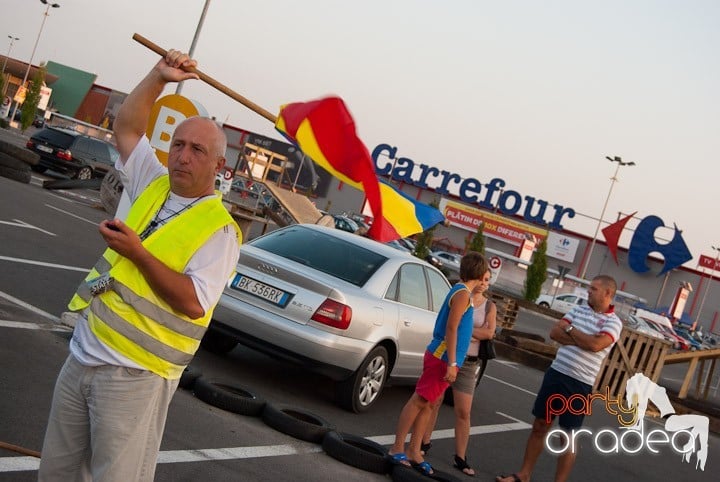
x=584, y=365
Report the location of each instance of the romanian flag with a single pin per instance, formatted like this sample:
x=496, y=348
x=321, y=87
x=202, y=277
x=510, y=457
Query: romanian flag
x=325, y=131
x=405, y=215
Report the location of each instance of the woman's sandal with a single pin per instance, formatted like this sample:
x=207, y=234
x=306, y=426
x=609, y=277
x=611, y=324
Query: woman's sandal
x=462, y=466
x=425, y=448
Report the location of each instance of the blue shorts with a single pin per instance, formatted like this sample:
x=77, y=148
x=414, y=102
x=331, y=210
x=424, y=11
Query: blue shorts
x=556, y=383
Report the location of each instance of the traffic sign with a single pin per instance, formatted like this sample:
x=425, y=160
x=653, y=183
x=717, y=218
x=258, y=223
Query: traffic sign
x=495, y=264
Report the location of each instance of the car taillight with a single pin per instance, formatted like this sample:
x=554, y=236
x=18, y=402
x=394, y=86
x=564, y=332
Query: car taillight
x=333, y=314
x=67, y=155
x=29, y=144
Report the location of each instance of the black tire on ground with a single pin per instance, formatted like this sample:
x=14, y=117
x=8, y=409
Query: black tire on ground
x=84, y=173
x=229, y=397
x=217, y=343
x=402, y=473
x=38, y=168
x=357, y=452
x=20, y=153
x=16, y=174
x=72, y=184
x=188, y=377
x=296, y=422
x=544, y=305
x=8, y=161
x=363, y=388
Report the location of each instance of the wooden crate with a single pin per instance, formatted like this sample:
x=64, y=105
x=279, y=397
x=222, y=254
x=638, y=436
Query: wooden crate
x=634, y=353
x=507, y=310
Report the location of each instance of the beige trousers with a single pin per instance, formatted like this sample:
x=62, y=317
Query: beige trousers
x=106, y=424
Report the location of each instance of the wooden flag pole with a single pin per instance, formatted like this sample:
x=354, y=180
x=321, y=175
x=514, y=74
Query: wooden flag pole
x=210, y=81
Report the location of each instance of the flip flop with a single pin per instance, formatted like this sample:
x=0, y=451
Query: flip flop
x=462, y=466
x=399, y=459
x=425, y=448
x=423, y=467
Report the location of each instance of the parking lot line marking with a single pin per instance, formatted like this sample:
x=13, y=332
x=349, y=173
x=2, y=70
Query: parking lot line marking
x=22, y=224
x=42, y=263
x=511, y=385
x=206, y=455
x=72, y=215
x=450, y=432
x=30, y=307
x=33, y=326
x=510, y=364
x=19, y=464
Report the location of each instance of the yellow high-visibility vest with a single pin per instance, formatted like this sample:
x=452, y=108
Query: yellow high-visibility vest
x=130, y=318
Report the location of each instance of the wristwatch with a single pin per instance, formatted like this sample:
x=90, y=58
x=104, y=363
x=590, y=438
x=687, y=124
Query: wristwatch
x=569, y=329
x=453, y=364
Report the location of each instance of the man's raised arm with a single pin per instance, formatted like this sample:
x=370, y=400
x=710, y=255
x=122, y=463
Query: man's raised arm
x=132, y=118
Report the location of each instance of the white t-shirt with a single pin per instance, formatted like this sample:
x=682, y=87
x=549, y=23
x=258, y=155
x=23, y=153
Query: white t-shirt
x=209, y=268
x=584, y=365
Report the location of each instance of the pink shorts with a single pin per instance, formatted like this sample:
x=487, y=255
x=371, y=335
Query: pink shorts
x=431, y=385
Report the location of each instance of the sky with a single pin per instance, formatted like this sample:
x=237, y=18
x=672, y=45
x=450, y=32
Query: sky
x=537, y=93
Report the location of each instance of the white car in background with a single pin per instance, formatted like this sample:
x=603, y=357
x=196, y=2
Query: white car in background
x=451, y=260
x=562, y=303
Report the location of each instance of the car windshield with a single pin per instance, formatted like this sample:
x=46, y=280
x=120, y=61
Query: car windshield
x=55, y=137
x=320, y=251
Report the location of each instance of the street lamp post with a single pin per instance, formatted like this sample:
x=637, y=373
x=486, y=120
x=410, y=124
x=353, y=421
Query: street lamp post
x=12, y=41
x=712, y=274
x=191, y=52
x=620, y=163
x=32, y=55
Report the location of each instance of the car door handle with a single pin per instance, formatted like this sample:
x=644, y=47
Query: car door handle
x=407, y=321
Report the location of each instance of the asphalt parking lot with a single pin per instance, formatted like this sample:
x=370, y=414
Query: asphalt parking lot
x=48, y=239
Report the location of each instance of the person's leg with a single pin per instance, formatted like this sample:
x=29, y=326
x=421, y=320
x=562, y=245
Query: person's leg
x=463, y=407
x=128, y=409
x=406, y=421
x=565, y=464
x=533, y=449
x=421, y=424
x=435, y=410
x=66, y=448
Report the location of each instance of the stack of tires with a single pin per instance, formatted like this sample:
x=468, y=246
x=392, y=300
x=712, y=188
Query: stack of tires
x=353, y=450
x=15, y=162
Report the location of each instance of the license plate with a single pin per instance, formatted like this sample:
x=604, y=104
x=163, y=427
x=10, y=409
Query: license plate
x=45, y=149
x=261, y=290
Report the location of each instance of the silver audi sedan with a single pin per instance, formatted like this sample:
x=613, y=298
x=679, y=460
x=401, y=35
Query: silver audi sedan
x=340, y=304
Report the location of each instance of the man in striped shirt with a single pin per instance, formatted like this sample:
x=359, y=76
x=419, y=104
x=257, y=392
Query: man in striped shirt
x=586, y=333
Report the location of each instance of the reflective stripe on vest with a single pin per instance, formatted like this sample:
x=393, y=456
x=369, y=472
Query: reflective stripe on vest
x=130, y=318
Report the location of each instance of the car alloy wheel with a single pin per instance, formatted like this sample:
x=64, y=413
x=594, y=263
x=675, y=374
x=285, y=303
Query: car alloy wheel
x=361, y=390
x=84, y=173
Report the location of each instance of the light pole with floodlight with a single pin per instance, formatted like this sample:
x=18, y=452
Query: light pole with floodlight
x=32, y=55
x=613, y=179
x=12, y=41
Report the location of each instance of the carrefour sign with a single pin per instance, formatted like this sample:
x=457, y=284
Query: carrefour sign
x=491, y=195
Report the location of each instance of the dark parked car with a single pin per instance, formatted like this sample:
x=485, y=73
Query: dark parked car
x=69, y=152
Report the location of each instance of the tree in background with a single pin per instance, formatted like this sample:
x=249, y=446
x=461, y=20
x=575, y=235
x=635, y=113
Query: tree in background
x=536, y=273
x=477, y=243
x=423, y=241
x=32, y=99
